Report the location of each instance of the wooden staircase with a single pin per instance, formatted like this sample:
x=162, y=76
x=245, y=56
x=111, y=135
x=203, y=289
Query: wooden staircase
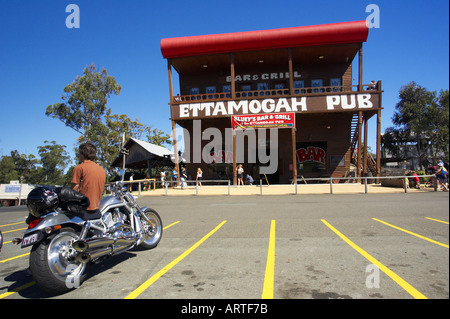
x=371, y=163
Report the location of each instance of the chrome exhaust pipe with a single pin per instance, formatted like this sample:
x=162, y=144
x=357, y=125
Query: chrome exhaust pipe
x=90, y=253
x=86, y=257
x=91, y=244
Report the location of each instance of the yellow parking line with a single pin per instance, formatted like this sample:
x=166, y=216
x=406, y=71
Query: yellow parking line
x=10, y=231
x=410, y=289
x=156, y=276
x=437, y=220
x=9, y=293
x=270, y=266
x=411, y=233
x=12, y=224
x=171, y=225
x=5, y=260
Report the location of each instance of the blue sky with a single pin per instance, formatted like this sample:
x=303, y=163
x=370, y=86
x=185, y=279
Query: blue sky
x=39, y=55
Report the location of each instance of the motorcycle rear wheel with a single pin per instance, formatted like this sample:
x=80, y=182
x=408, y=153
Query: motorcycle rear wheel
x=153, y=233
x=53, y=265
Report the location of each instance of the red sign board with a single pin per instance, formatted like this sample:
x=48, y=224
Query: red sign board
x=271, y=120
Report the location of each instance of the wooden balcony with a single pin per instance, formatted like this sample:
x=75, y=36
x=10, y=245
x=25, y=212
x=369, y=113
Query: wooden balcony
x=277, y=93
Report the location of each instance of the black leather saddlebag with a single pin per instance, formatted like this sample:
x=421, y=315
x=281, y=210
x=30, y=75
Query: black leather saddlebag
x=72, y=201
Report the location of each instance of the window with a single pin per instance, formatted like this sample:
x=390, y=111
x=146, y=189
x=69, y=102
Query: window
x=297, y=85
x=194, y=91
x=210, y=89
x=262, y=86
x=246, y=88
x=317, y=84
x=226, y=89
x=336, y=83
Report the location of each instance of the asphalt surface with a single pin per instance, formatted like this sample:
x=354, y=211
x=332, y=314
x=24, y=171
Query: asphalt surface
x=370, y=246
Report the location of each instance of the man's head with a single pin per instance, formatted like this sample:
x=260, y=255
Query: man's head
x=87, y=151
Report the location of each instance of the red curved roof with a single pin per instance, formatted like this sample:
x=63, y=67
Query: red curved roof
x=336, y=33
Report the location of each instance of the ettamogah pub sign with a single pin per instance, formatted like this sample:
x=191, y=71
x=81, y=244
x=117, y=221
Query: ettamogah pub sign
x=329, y=103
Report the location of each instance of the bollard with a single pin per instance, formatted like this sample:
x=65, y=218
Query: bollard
x=331, y=185
x=365, y=184
x=405, y=182
x=229, y=184
x=260, y=187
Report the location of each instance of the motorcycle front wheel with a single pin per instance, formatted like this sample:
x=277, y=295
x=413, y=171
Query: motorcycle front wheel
x=53, y=265
x=153, y=233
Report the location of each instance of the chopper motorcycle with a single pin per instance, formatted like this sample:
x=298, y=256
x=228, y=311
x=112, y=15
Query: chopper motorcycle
x=65, y=242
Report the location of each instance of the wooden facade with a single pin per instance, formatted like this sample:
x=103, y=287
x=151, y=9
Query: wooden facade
x=301, y=70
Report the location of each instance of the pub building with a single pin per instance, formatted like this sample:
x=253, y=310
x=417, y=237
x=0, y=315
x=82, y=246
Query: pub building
x=298, y=81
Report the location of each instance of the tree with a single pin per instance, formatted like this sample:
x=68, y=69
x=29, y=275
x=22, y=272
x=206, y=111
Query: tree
x=84, y=110
x=85, y=101
x=54, y=159
x=421, y=121
x=112, y=134
x=26, y=166
x=7, y=170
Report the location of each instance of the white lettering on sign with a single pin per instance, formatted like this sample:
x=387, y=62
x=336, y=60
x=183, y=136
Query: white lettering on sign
x=352, y=101
x=282, y=105
x=263, y=76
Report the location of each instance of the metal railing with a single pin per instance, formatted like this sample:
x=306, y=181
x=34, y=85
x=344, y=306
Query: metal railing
x=363, y=180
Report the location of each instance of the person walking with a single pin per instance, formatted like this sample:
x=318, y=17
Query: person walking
x=240, y=175
x=199, y=177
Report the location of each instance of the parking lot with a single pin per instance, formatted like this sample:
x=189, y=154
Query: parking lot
x=379, y=246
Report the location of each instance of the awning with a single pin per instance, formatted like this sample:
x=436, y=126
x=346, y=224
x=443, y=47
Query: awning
x=141, y=154
x=326, y=34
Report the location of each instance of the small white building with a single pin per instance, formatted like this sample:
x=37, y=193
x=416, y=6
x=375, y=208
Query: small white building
x=9, y=193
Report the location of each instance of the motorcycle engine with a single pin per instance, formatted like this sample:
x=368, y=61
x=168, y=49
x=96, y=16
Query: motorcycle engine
x=114, y=217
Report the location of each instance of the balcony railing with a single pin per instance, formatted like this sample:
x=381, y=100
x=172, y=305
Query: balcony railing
x=277, y=93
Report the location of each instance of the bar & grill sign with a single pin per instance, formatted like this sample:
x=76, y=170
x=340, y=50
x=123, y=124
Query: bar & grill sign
x=278, y=120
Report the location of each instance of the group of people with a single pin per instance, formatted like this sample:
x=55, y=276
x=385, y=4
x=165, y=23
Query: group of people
x=199, y=176
x=240, y=176
x=183, y=177
x=441, y=173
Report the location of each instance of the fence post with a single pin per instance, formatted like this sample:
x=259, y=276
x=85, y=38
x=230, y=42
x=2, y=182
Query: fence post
x=405, y=184
x=365, y=184
x=435, y=183
x=139, y=188
x=167, y=183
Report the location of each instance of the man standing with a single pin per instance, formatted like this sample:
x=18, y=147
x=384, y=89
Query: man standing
x=89, y=179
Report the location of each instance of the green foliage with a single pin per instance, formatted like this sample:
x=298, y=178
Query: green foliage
x=85, y=101
x=421, y=121
x=83, y=109
x=49, y=169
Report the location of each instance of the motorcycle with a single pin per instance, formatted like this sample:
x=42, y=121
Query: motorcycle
x=64, y=242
